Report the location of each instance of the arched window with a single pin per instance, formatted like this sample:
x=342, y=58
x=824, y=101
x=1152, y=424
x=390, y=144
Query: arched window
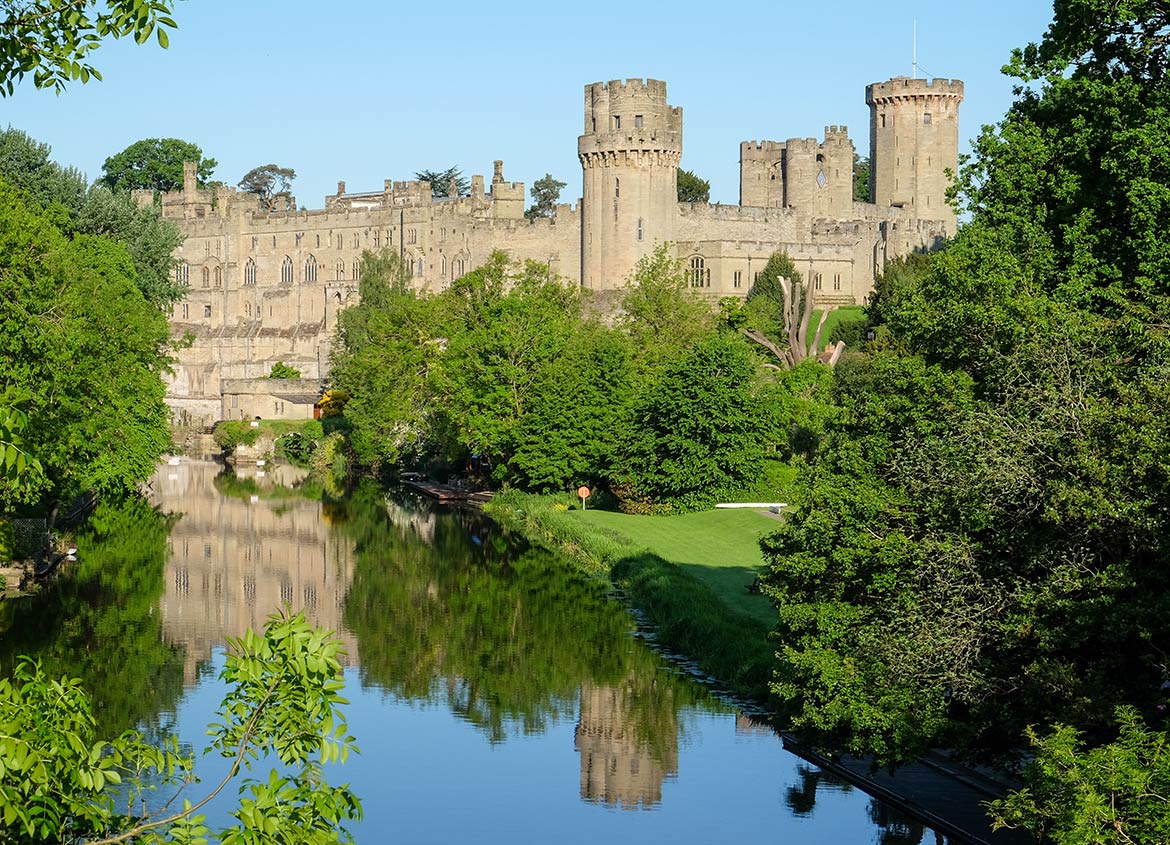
x=250, y=272
x=356, y=243
x=318, y=241
x=357, y=271
x=219, y=277
x=248, y=309
x=817, y=281
x=206, y=277
x=443, y=266
x=311, y=268
x=181, y=272
x=458, y=267
x=286, y=271
x=639, y=228
x=617, y=187
x=340, y=270
x=700, y=275
x=419, y=268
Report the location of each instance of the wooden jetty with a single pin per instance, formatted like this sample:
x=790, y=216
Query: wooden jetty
x=444, y=493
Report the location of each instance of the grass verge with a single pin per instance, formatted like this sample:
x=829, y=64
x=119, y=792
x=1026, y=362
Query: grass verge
x=687, y=573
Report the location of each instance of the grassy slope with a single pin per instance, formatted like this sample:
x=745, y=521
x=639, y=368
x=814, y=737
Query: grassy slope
x=689, y=573
x=720, y=548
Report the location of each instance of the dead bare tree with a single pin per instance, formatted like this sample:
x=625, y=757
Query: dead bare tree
x=798, y=306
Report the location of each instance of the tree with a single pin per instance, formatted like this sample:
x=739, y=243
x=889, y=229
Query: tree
x=697, y=434
x=1115, y=793
x=661, y=314
x=545, y=193
x=443, y=182
x=780, y=306
x=78, y=338
x=52, y=39
x=693, y=189
x=283, y=370
x=269, y=183
x=861, y=168
x=62, y=192
x=62, y=782
x=154, y=164
x=18, y=466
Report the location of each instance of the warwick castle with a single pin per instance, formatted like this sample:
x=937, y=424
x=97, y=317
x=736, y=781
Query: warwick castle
x=267, y=286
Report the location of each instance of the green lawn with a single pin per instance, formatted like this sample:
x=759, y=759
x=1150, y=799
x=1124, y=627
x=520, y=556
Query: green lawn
x=719, y=547
x=837, y=315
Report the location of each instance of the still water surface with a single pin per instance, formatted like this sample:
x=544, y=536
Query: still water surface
x=497, y=695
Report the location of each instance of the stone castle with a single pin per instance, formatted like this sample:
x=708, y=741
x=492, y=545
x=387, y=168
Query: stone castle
x=266, y=286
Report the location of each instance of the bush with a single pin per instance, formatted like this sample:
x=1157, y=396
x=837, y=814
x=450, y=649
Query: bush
x=283, y=370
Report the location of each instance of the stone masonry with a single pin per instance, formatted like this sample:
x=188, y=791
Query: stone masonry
x=267, y=286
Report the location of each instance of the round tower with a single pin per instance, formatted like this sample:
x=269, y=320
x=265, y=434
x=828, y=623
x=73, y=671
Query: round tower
x=913, y=141
x=629, y=157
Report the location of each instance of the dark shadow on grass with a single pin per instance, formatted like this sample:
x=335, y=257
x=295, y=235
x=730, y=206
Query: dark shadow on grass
x=730, y=584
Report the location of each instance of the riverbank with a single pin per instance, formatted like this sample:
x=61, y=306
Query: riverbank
x=689, y=574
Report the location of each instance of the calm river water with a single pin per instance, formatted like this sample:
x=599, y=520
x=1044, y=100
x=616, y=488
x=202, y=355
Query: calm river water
x=496, y=694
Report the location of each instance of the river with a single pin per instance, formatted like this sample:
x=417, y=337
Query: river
x=497, y=694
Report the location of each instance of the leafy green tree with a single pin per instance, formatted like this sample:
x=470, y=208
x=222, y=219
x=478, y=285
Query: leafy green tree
x=693, y=189
x=697, y=434
x=861, y=168
x=154, y=164
x=580, y=401
x=545, y=192
x=283, y=370
x=270, y=183
x=53, y=39
x=389, y=345
x=63, y=195
x=1112, y=793
x=508, y=323
x=62, y=782
x=80, y=340
x=661, y=314
x=442, y=181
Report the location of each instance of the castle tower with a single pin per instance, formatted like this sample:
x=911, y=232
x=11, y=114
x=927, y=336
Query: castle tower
x=629, y=157
x=913, y=140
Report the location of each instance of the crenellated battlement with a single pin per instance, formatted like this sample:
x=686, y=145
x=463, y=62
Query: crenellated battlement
x=834, y=131
x=634, y=108
x=901, y=87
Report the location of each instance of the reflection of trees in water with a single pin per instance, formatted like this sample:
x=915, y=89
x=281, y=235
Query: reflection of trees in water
x=896, y=828
x=507, y=639
x=99, y=621
x=802, y=798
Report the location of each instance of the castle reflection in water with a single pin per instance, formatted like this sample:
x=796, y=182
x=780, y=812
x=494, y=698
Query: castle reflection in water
x=245, y=546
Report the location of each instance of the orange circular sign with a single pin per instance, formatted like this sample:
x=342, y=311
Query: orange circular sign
x=583, y=492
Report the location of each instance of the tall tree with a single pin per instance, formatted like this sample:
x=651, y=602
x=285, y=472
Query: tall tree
x=444, y=181
x=545, y=192
x=692, y=188
x=270, y=183
x=53, y=39
x=154, y=164
x=861, y=169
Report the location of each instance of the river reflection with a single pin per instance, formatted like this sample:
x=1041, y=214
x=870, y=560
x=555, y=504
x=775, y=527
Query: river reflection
x=497, y=694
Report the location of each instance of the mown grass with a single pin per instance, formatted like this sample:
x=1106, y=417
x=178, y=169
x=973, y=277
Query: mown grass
x=689, y=573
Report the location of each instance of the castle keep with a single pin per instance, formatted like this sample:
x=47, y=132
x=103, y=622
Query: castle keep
x=267, y=286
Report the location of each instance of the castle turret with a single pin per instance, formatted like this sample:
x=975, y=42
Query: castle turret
x=914, y=139
x=629, y=157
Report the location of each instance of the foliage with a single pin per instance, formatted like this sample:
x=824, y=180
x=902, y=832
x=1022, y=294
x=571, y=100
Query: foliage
x=777, y=314
x=283, y=370
x=861, y=171
x=270, y=183
x=155, y=164
x=545, y=192
x=1118, y=792
x=388, y=345
x=660, y=313
x=442, y=181
x=19, y=469
x=509, y=323
x=62, y=195
x=695, y=435
x=78, y=338
x=692, y=188
x=298, y=446
x=52, y=39
x=60, y=782
x=231, y=433
x=333, y=402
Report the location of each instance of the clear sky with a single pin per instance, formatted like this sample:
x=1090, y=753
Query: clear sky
x=363, y=91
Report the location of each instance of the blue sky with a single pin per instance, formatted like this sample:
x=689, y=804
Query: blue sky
x=365, y=91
